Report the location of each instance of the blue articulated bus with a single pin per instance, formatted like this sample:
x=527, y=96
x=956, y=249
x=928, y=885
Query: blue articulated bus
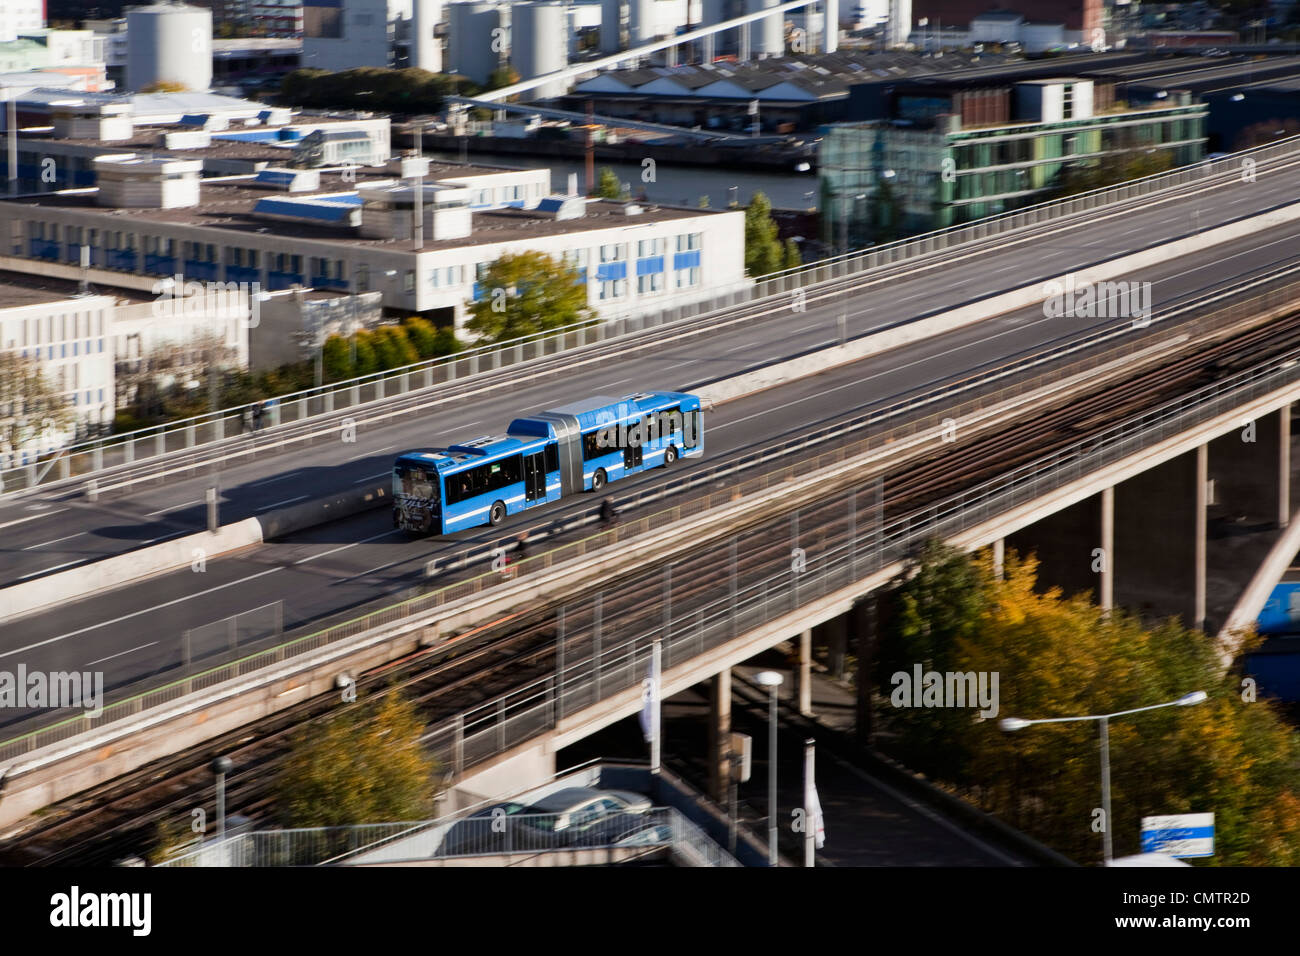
x=541, y=458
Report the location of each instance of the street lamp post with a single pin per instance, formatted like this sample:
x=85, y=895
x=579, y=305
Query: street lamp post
x=221, y=766
x=1010, y=724
x=771, y=680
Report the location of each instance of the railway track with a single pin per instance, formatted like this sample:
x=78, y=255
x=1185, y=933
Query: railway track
x=120, y=818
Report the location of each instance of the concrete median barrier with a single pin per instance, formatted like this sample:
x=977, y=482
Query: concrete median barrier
x=180, y=553
x=913, y=330
x=63, y=586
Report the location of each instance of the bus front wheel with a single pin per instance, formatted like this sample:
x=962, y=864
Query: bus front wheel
x=497, y=514
x=598, y=479
x=670, y=455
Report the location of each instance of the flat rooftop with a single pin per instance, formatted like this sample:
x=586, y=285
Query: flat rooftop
x=228, y=206
x=21, y=288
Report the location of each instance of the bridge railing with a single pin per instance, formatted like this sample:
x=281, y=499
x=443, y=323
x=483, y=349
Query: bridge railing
x=451, y=838
x=20, y=471
x=954, y=402
x=760, y=584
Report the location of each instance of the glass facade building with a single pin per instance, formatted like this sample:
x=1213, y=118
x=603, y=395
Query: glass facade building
x=923, y=168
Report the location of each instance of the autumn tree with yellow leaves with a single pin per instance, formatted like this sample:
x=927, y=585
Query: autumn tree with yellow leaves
x=363, y=764
x=1062, y=656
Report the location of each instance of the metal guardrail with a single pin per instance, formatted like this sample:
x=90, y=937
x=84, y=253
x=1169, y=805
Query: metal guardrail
x=450, y=839
x=762, y=590
x=86, y=459
x=421, y=605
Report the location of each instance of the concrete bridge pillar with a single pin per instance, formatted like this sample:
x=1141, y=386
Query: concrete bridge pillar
x=1284, y=467
x=863, y=622
x=1106, y=574
x=1251, y=470
x=1159, y=526
x=720, y=735
x=803, y=673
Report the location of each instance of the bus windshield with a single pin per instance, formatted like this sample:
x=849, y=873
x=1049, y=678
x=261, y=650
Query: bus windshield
x=416, y=482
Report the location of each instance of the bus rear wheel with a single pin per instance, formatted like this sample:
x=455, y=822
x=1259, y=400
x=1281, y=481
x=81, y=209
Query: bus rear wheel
x=497, y=514
x=670, y=455
x=598, y=479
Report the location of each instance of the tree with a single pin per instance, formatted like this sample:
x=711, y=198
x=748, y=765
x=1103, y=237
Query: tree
x=791, y=258
x=762, y=247
x=367, y=361
x=608, y=185
x=29, y=405
x=1059, y=656
x=336, y=359
x=422, y=336
x=363, y=764
x=931, y=606
x=369, y=88
x=392, y=348
x=502, y=77
x=525, y=293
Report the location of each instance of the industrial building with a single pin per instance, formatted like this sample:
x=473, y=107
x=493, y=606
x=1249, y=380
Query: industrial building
x=64, y=134
x=943, y=152
x=793, y=93
x=168, y=45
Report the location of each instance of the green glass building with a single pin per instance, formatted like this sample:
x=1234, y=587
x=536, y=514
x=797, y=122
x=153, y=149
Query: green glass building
x=941, y=154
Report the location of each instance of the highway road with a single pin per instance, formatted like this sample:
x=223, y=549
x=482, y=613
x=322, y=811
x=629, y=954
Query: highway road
x=134, y=631
x=59, y=530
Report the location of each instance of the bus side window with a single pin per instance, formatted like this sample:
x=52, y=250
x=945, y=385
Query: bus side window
x=552, y=457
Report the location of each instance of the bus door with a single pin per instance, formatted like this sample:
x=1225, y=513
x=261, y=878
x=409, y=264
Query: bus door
x=631, y=456
x=534, y=477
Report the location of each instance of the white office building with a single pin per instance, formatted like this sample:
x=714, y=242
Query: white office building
x=355, y=234
x=20, y=16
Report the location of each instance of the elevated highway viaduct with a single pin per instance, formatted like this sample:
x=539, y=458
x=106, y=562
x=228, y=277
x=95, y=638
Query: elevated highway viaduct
x=56, y=526
x=856, y=511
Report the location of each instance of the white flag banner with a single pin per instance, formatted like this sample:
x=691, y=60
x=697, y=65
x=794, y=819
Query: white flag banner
x=814, y=808
x=649, y=715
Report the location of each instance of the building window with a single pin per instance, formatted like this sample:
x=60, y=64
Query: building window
x=650, y=283
x=613, y=289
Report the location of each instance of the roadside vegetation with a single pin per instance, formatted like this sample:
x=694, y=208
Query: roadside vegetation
x=1060, y=656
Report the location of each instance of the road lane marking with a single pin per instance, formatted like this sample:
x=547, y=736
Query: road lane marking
x=269, y=481
x=43, y=514
x=287, y=501
x=162, y=511
x=127, y=617
x=382, y=474
x=372, y=452
x=121, y=654
x=36, y=574
x=323, y=554
x=33, y=547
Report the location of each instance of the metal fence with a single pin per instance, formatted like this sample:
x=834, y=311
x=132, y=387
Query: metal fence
x=763, y=589
x=444, y=839
x=957, y=402
x=91, y=458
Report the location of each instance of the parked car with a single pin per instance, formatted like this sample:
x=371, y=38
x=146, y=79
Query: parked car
x=624, y=829
x=477, y=832
x=560, y=819
x=574, y=810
